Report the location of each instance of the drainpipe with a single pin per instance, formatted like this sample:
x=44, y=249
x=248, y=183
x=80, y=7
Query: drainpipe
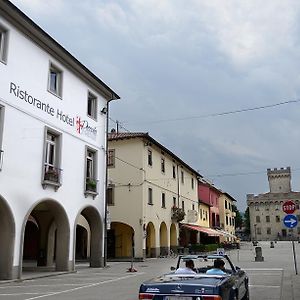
x=106, y=185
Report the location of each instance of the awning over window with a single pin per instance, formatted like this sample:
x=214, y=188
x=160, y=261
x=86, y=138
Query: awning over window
x=208, y=231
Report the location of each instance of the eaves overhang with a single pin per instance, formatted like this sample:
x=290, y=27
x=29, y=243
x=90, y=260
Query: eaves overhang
x=146, y=136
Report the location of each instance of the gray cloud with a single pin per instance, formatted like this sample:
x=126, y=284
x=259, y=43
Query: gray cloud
x=171, y=60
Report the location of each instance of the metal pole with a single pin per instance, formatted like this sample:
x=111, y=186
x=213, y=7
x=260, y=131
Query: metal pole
x=295, y=259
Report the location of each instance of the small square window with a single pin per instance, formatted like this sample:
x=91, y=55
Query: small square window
x=92, y=106
x=110, y=195
x=55, y=81
x=3, y=44
x=111, y=158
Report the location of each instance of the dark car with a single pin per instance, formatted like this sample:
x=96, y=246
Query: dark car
x=232, y=285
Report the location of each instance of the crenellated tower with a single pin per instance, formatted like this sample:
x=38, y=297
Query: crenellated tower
x=279, y=180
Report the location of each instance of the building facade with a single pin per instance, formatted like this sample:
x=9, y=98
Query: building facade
x=151, y=190
x=265, y=210
x=52, y=146
x=227, y=217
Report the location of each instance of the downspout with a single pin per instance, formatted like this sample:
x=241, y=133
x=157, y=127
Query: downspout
x=106, y=181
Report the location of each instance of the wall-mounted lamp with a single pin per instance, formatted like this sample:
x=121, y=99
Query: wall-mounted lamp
x=104, y=110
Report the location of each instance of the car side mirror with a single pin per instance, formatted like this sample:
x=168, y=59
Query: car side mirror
x=173, y=268
x=237, y=268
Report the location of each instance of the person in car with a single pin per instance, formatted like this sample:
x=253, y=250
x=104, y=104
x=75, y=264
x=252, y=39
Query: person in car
x=188, y=269
x=218, y=269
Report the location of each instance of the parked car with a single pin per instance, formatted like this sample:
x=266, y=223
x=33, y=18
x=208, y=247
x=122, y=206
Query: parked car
x=233, y=285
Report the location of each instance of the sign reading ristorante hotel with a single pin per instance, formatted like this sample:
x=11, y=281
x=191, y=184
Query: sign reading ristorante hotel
x=81, y=126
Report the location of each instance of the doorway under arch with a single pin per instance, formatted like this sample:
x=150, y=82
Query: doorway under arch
x=120, y=241
x=173, y=237
x=163, y=239
x=94, y=231
x=150, y=241
x=47, y=220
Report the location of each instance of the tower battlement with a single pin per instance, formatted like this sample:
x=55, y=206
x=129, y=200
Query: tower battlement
x=279, y=180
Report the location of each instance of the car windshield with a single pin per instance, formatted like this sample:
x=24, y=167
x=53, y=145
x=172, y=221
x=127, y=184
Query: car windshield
x=204, y=263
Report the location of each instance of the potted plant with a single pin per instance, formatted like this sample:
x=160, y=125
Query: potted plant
x=91, y=185
x=51, y=175
x=177, y=214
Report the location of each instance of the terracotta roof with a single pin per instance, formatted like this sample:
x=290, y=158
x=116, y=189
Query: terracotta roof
x=126, y=135
x=113, y=136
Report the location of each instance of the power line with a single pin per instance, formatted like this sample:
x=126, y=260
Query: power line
x=219, y=114
x=242, y=173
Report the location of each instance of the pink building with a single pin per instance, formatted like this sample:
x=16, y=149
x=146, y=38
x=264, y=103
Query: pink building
x=209, y=195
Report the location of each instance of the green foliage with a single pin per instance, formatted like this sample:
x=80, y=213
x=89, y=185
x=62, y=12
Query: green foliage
x=238, y=217
x=203, y=248
x=247, y=221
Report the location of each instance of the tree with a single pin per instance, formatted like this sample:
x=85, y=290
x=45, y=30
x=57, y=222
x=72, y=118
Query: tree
x=238, y=217
x=247, y=221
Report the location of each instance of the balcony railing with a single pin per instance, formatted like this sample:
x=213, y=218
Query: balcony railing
x=1, y=159
x=52, y=176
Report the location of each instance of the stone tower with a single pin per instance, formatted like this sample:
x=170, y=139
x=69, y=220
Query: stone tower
x=279, y=180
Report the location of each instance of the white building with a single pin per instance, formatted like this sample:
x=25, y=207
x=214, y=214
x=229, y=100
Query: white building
x=52, y=142
x=151, y=190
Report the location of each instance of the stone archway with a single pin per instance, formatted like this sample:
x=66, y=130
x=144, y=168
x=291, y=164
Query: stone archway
x=95, y=235
x=163, y=239
x=7, y=234
x=150, y=241
x=120, y=241
x=52, y=225
x=173, y=237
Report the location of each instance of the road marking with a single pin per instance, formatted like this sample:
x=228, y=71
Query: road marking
x=41, y=285
x=264, y=286
x=86, y=286
x=21, y=294
x=270, y=269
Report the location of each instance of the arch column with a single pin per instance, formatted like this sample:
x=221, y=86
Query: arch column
x=7, y=236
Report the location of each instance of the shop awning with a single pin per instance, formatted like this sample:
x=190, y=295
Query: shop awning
x=225, y=233
x=208, y=231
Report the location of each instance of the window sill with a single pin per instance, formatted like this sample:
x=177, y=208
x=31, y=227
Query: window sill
x=90, y=193
x=55, y=185
x=55, y=94
x=150, y=204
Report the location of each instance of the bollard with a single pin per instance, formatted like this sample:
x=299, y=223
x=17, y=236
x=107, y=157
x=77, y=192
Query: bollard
x=258, y=252
x=272, y=244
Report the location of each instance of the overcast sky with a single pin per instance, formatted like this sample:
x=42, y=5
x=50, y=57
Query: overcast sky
x=174, y=62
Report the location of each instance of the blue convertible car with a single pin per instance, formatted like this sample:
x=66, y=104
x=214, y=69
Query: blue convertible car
x=232, y=284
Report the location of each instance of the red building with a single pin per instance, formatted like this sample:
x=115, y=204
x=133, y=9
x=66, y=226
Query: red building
x=209, y=195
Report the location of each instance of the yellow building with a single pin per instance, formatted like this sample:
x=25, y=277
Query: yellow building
x=150, y=191
x=227, y=217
